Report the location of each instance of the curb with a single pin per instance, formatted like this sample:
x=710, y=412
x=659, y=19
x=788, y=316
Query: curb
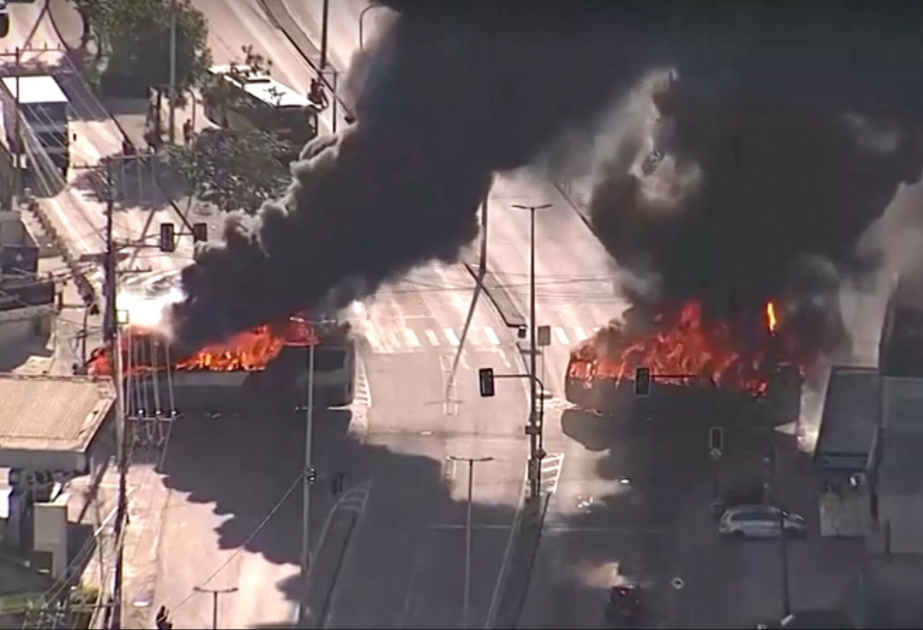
x=84, y=287
x=515, y=586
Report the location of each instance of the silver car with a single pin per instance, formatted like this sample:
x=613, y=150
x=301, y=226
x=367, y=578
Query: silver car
x=759, y=521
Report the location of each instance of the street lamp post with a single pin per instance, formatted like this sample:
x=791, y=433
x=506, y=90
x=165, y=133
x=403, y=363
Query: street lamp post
x=215, y=593
x=535, y=436
x=466, y=606
x=308, y=473
x=172, y=121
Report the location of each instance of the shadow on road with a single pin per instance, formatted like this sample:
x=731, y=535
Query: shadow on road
x=655, y=525
x=399, y=559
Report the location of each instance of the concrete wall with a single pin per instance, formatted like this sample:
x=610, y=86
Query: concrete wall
x=901, y=519
x=903, y=403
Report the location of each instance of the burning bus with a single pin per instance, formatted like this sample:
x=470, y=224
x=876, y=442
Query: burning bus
x=686, y=353
x=281, y=352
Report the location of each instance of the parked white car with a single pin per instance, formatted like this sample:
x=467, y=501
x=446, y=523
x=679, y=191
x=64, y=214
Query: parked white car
x=760, y=521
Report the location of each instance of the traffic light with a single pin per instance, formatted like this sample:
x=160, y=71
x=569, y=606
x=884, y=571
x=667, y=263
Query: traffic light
x=167, y=238
x=199, y=232
x=486, y=382
x=642, y=381
x=716, y=439
x=312, y=475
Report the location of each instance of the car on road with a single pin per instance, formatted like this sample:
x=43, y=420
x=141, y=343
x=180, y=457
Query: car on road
x=744, y=494
x=760, y=521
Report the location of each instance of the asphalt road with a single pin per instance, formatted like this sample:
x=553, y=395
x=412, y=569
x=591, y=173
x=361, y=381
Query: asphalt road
x=77, y=212
x=409, y=542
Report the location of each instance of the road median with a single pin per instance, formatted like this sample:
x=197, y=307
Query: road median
x=516, y=572
x=499, y=296
x=328, y=557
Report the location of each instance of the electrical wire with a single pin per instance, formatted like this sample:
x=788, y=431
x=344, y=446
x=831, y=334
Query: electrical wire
x=242, y=548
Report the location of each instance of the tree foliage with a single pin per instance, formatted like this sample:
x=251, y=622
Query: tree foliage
x=235, y=170
x=134, y=36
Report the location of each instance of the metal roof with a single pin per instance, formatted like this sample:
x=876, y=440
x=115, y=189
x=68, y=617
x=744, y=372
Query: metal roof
x=45, y=420
x=264, y=87
x=36, y=89
x=849, y=418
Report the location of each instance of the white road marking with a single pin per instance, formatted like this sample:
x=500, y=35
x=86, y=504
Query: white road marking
x=372, y=337
x=561, y=335
x=451, y=336
x=580, y=332
x=412, y=339
x=395, y=339
x=433, y=338
x=491, y=336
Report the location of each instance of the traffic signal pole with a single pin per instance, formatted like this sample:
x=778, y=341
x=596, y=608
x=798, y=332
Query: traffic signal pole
x=534, y=429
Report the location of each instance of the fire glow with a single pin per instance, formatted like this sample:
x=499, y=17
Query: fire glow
x=145, y=351
x=685, y=349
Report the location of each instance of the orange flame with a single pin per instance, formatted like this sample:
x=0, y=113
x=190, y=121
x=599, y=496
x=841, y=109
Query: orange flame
x=683, y=349
x=145, y=351
x=772, y=323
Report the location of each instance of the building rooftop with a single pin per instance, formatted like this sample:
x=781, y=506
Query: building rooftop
x=849, y=419
x=49, y=421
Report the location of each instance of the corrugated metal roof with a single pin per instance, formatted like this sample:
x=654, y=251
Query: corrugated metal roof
x=901, y=468
x=51, y=413
x=849, y=418
x=36, y=89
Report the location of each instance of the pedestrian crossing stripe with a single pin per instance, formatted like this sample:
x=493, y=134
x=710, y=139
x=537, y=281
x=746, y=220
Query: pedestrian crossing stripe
x=390, y=340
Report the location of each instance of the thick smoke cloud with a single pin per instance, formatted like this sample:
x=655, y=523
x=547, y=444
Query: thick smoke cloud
x=801, y=124
x=798, y=144
x=451, y=93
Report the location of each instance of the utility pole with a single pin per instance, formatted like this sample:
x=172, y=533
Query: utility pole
x=215, y=593
x=466, y=606
x=535, y=429
x=115, y=352
x=19, y=148
x=308, y=474
x=172, y=94
x=325, y=22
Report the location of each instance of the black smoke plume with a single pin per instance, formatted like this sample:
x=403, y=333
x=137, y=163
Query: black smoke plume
x=797, y=142
x=454, y=91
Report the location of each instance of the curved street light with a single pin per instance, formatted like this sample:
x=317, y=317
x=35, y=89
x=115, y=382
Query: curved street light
x=362, y=21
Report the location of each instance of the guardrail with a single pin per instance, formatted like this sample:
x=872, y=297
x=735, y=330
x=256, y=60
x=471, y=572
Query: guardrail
x=499, y=296
x=84, y=286
x=329, y=552
x=516, y=571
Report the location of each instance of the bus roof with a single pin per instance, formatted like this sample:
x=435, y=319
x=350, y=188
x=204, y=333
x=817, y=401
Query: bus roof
x=36, y=89
x=266, y=89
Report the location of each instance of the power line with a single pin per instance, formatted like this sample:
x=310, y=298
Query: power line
x=243, y=546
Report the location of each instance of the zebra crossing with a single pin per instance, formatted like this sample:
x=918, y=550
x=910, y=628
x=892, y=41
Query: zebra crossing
x=417, y=337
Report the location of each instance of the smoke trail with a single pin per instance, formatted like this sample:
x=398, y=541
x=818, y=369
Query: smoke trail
x=452, y=92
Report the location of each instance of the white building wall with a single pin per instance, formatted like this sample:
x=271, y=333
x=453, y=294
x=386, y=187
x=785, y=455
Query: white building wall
x=901, y=519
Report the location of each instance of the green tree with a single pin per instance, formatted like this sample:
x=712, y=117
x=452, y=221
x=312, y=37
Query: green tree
x=133, y=36
x=235, y=170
